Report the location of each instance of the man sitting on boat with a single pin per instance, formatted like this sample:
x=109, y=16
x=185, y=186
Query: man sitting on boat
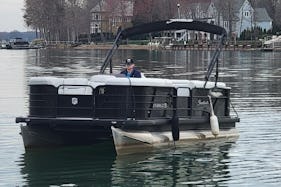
x=130, y=70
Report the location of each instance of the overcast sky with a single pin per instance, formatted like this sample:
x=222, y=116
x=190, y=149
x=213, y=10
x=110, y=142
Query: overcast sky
x=11, y=15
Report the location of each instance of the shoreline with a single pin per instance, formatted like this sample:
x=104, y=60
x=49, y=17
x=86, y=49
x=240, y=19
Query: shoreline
x=109, y=46
x=147, y=47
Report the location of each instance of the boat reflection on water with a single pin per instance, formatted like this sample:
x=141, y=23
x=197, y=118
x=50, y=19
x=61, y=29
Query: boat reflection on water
x=68, y=166
x=201, y=163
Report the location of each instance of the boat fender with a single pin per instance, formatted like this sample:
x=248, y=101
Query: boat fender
x=175, y=128
x=214, y=122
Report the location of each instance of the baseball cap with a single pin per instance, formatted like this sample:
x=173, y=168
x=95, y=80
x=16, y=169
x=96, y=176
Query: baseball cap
x=129, y=61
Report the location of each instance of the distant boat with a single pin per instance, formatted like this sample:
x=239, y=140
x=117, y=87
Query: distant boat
x=4, y=44
x=271, y=44
x=267, y=49
x=38, y=44
x=18, y=43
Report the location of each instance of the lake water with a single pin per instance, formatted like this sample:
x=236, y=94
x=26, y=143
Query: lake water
x=253, y=160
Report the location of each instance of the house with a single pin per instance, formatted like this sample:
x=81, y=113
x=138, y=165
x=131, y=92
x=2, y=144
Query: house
x=235, y=16
x=204, y=10
x=108, y=15
x=244, y=16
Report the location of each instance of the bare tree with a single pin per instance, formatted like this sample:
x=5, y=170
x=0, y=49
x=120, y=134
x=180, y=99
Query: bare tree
x=226, y=10
x=73, y=19
x=57, y=19
x=47, y=16
x=143, y=11
x=167, y=9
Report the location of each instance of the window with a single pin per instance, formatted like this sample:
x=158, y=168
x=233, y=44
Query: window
x=246, y=13
x=96, y=28
x=113, y=22
x=225, y=24
x=95, y=16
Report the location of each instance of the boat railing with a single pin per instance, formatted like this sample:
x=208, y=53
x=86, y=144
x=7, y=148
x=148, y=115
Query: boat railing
x=50, y=101
x=144, y=107
x=113, y=102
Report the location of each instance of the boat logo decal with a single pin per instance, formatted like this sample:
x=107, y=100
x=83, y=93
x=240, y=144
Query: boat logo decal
x=160, y=105
x=101, y=91
x=74, y=100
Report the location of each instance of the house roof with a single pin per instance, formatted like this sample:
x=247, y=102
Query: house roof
x=205, y=6
x=98, y=6
x=238, y=4
x=261, y=15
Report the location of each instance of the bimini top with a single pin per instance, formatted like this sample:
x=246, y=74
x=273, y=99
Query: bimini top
x=172, y=24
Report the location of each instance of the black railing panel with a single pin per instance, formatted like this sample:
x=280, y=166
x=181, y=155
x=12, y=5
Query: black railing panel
x=125, y=102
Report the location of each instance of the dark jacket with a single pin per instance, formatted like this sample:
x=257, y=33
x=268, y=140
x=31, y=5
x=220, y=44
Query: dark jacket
x=135, y=73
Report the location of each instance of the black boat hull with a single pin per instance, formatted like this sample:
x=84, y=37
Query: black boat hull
x=47, y=137
x=46, y=132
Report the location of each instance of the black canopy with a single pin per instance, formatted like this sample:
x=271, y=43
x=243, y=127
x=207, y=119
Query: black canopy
x=173, y=24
